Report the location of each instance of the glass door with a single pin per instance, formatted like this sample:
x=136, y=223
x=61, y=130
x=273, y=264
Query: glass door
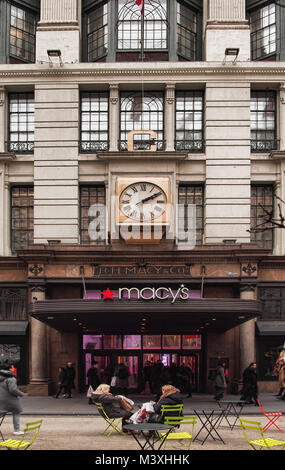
x=131, y=361
x=104, y=366
x=191, y=364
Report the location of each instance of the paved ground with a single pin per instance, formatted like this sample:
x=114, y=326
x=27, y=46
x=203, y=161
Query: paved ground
x=72, y=424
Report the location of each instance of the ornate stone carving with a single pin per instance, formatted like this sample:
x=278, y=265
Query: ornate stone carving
x=249, y=269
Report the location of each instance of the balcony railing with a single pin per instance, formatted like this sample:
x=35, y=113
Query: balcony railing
x=142, y=144
x=190, y=146
x=264, y=146
x=90, y=146
x=20, y=147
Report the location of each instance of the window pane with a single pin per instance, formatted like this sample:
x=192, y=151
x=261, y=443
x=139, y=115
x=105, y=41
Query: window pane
x=263, y=121
x=22, y=217
x=155, y=25
x=191, y=342
x=186, y=32
x=22, y=34
x=97, y=32
x=263, y=31
x=189, y=118
x=92, y=215
x=92, y=341
x=171, y=342
x=95, y=119
x=152, y=342
x=112, y=342
x=132, y=342
x=262, y=197
x=21, y=122
x=141, y=112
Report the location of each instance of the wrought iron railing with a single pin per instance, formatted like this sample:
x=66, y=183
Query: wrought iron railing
x=142, y=144
x=90, y=146
x=190, y=146
x=20, y=147
x=260, y=145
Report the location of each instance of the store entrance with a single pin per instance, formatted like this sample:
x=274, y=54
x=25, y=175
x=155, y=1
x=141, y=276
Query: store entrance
x=136, y=363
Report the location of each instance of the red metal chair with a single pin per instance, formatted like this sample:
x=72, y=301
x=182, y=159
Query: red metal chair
x=272, y=417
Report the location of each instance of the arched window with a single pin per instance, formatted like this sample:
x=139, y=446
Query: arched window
x=130, y=21
x=141, y=112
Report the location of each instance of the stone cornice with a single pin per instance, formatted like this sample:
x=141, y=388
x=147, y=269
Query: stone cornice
x=147, y=70
x=7, y=157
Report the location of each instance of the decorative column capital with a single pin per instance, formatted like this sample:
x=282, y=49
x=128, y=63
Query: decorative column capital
x=114, y=93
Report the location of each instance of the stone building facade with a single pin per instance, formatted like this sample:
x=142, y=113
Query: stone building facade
x=89, y=119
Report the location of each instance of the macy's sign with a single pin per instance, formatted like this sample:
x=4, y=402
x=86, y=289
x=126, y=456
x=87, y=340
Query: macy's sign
x=145, y=293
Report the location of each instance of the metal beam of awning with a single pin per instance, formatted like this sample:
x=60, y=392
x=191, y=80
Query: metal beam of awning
x=122, y=316
x=13, y=328
x=271, y=328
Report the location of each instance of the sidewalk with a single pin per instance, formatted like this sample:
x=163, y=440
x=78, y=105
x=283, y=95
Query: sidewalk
x=73, y=424
x=78, y=405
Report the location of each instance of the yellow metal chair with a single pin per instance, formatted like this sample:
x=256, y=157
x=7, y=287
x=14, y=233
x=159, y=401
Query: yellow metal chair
x=264, y=442
x=179, y=435
x=113, y=423
x=175, y=409
x=22, y=443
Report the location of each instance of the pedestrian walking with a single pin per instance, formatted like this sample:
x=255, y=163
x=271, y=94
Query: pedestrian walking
x=10, y=396
x=220, y=381
x=250, y=391
x=281, y=378
x=69, y=379
x=93, y=378
x=147, y=378
x=122, y=373
x=61, y=382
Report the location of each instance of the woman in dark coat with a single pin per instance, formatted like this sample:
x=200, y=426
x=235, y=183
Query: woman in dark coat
x=111, y=403
x=170, y=396
x=220, y=381
x=9, y=396
x=249, y=391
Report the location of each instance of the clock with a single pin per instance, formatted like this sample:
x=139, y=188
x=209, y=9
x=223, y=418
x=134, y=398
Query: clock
x=143, y=201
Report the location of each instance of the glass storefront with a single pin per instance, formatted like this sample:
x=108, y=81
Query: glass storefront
x=135, y=351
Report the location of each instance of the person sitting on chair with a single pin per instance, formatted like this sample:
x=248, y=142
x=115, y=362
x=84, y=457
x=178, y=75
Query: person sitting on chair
x=170, y=396
x=111, y=403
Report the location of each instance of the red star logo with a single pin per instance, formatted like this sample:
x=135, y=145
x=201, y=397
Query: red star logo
x=108, y=294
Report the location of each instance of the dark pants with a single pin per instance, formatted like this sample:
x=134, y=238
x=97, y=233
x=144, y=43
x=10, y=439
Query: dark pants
x=61, y=388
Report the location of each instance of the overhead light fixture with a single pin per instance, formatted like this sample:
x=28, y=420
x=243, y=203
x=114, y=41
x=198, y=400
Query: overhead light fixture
x=231, y=51
x=54, y=53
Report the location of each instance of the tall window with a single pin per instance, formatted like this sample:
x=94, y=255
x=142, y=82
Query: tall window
x=155, y=25
x=22, y=34
x=193, y=194
x=263, y=31
x=21, y=122
x=186, y=32
x=97, y=32
x=141, y=112
x=189, y=121
x=262, y=203
x=94, y=122
x=263, y=121
x=92, y=200
x=22, y=217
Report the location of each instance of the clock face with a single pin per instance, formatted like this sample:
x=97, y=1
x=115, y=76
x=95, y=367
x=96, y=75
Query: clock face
x=143, y=201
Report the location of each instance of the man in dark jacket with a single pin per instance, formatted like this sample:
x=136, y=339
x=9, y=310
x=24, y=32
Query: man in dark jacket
x=69, y=379
x=249, y=391
x=9, y=396
x=93, y=378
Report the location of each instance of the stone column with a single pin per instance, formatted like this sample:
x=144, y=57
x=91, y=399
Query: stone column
x=227, y=27
x=247, y=331
x=59, y=28
x=3, y=121
x=169, y=116
x=114, y=117
x=38, y=350
x=282, y=115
